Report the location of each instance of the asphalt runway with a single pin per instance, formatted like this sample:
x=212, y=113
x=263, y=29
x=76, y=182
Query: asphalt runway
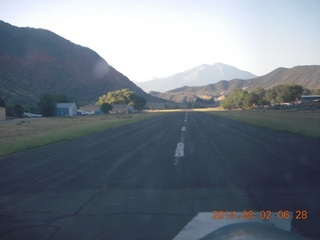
x=148, y=180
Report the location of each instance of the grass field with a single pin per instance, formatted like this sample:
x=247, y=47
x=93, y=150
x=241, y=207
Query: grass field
x=22, y=134
x=304, y=122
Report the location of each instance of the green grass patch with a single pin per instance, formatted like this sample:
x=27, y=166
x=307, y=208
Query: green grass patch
x=24, y=135
x=304, y=122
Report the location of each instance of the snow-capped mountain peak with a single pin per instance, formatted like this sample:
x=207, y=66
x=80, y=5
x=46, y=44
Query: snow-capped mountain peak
x=197, y=76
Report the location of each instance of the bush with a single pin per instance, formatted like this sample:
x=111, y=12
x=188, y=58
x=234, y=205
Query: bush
x=47, y=105
x=2, y=103
x=106, y=108
x=18, y=110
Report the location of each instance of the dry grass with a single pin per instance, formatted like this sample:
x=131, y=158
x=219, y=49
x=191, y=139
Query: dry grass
x=20, y=135
x=304, y=122
x=207, y=109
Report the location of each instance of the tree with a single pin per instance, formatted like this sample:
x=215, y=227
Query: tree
x=306, y=91
x=47, y=105
x=202, y=103
x=138, y=102
x=2, y=102
x=236, y=99
x=106, y=108
x=295, y=92
x=18, y=110
x=239, y=98
x=123, y=96
x=250, y=99
x=284, y=93
x=262, y=99
x=61, y=98
x=117, y=97
x=315, y=91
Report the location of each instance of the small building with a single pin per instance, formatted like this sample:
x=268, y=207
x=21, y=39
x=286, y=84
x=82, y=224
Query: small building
x=66, y=109
x=90, y=109
x=2, y=113
x=261, y=106
x=130, y=109
x=122, y=109
x=310, y=98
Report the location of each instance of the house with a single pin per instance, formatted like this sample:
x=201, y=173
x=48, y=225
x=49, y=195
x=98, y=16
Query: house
x=122, y=109
x=2, y=113
x=66, y=109
x=90, y=109
x=310, y=98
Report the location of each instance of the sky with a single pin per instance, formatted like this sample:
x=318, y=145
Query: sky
x=144, y=39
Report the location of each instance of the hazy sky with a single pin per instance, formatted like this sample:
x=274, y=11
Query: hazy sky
x=144, y=38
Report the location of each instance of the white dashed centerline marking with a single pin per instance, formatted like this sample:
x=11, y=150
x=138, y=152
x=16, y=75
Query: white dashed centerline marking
x=180, y=145
x=179, y=150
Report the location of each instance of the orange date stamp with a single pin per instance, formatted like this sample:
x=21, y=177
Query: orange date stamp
x=299, y=214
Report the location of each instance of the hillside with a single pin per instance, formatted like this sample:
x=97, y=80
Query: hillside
x=37, y=61
x=307, y=76
x=198, y=76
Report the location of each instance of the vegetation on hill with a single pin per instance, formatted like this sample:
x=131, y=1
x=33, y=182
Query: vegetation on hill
x=37, y=61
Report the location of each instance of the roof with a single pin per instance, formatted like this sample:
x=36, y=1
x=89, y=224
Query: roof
x=90, y=107
x=66, y=105
x=120, y=106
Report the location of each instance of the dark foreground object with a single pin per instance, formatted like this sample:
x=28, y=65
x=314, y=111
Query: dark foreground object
x=252, y=231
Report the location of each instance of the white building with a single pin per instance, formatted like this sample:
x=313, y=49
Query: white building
x=66, y=109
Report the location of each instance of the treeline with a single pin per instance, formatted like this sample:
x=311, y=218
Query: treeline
x=201, y=103
x=279, y=94
x=46, y=106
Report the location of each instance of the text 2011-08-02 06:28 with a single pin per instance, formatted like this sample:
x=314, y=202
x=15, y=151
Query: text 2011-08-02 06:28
x=299, y=214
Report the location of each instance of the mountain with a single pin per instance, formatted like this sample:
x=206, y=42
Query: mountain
x=37, y=61
x=198, y=76
x=306, y=76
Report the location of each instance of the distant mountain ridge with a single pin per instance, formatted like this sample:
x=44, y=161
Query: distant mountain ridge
x=37, y=61
x=306, y=76
x=197, y=76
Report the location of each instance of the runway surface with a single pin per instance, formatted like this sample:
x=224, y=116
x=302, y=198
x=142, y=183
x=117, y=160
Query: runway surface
x=147, y=180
